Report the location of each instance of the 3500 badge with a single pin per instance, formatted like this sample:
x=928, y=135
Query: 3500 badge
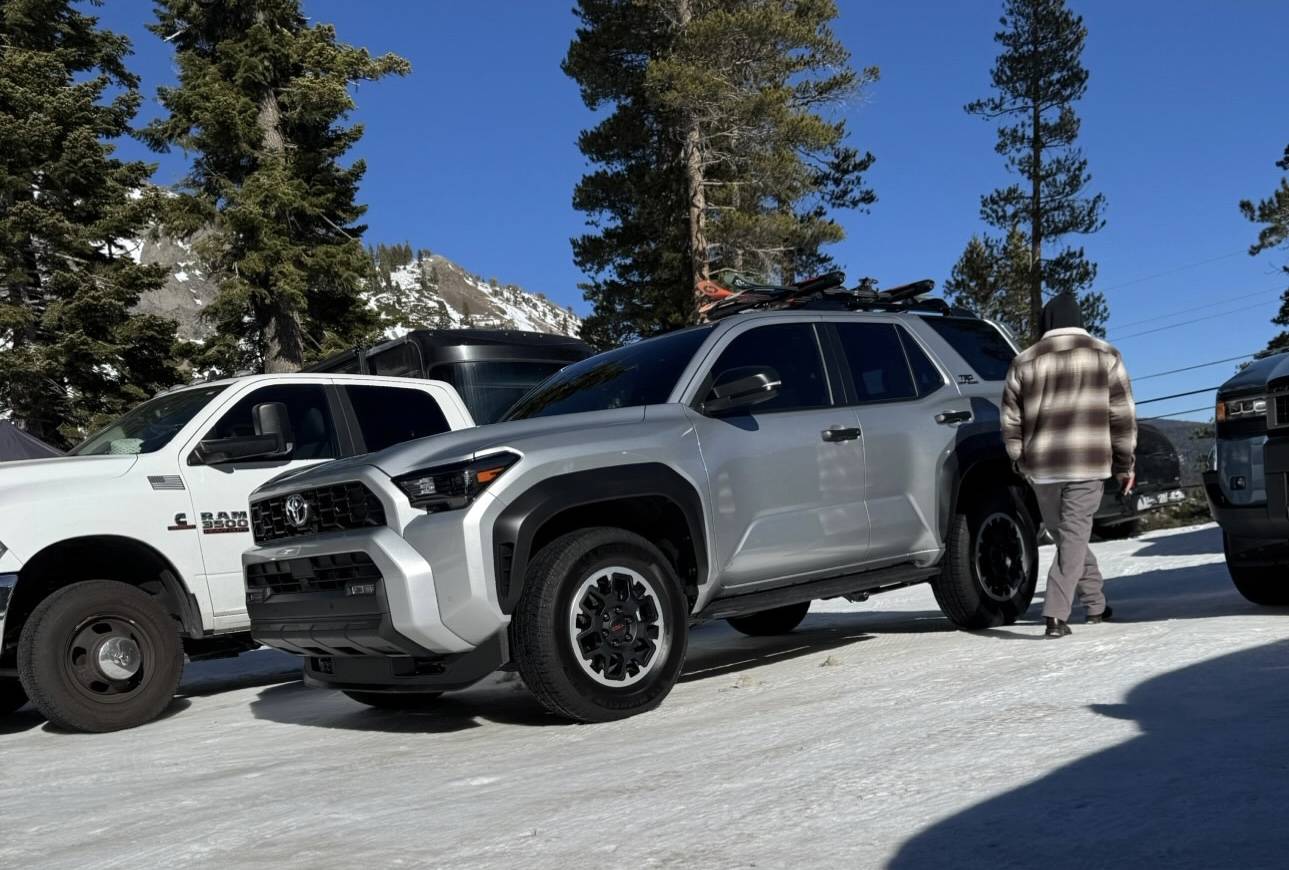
x=224, y=522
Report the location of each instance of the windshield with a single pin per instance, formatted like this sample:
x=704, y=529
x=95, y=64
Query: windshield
x=643, y=373
x=489, y=388
x=150, y=426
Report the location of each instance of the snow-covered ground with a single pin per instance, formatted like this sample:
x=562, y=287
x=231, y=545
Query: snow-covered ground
x=874, y=736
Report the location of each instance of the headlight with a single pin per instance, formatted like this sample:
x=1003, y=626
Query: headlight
x=450, y=487
x=1241, y=409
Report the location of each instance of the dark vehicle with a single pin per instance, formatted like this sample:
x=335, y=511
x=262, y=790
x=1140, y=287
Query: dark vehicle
x=1159, y=484
x=1248, y=487
x=490, y=368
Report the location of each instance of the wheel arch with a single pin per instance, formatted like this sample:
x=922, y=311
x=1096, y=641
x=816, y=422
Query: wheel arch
x=101, y=557
x=649, y=498
x=977, y=460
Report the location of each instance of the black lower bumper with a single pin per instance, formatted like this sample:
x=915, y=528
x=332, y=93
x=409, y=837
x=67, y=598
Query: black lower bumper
x=434, y=673
x=1267, y=523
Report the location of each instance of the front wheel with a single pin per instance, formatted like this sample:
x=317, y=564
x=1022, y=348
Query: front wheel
x=1260, y=584
x=601, y=628
x=100, y=656
x=406, y=701
x=990, y=563
x=12, y=697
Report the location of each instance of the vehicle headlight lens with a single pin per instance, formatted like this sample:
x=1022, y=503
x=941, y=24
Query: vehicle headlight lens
x=450, y=487
x=3, y=549
x=1241, y=409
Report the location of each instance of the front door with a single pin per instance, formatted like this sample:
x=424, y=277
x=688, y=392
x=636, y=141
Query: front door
x=787, y=499
x=221, y=493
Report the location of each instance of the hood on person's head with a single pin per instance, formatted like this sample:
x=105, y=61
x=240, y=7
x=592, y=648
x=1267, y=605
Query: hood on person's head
x=1062, y=312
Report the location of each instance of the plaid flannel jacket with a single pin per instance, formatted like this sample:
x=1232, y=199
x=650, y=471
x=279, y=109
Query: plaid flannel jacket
x=1068, y=411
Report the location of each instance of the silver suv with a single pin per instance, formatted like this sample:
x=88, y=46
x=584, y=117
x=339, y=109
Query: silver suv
x=736, y=470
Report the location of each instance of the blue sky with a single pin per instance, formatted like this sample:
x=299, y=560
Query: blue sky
x=473, y=155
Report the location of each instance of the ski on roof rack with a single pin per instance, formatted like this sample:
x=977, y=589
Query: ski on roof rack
x=823, y=293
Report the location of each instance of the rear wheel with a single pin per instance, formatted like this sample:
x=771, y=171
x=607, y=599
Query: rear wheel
x=409, y=701
x=990, y=563
x=100, y=656
x=1267, y=585
x=601, y=628
x=12, y=697
x=767, y=623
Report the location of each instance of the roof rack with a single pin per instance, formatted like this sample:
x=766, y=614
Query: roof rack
x=827, y=293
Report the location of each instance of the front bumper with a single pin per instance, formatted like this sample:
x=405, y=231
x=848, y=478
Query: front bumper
x=1267, y=522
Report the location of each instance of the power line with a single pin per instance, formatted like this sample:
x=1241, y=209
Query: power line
x=1200, y=307
x=1215, y=362
x=1182, y=323
x=1177, y=396
x=1176, y=413
x=1142, y=280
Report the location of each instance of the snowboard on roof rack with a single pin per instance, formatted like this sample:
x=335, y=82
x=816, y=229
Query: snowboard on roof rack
x=825, y=292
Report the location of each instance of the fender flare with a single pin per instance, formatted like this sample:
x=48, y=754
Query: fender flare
x=519, y=524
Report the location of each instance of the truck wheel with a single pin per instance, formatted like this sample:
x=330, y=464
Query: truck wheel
x=1260, y=584
x=601, y=628
x=396, y=700
x=766, y=623
x=990, y=563
x=12, y=697
x=100, y=656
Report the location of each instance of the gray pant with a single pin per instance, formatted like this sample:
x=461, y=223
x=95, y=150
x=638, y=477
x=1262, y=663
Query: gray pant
x=1067, y=510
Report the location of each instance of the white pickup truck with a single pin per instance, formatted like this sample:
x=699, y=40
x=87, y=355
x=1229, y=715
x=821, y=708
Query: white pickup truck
x=104, y=553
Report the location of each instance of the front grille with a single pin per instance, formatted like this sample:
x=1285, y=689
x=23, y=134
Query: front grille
x=330, y=509
x=1279, y=412
x=312, y=574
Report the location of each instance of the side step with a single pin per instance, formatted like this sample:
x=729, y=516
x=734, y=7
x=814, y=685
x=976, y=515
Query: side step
x=833, y=587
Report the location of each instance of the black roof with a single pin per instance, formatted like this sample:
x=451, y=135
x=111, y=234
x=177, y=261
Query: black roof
x=434, y=341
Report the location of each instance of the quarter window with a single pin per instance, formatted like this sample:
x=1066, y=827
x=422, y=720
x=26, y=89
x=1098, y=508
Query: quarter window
x=979, y=343
x=312, y=427
x=391, y=415
x=792, y=351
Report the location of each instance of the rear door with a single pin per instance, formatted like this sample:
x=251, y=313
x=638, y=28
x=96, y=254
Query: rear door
x=787, y=502
x=909, y=414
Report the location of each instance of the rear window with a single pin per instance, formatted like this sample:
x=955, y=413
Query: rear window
x=490, y=387
x=979, y=343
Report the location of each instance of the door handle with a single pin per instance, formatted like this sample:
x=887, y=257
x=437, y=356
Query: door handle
x=948, y=418
x=840, y=433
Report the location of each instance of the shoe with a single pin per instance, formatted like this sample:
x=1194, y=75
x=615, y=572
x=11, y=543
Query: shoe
x=1057, y=628
x=1104, y=616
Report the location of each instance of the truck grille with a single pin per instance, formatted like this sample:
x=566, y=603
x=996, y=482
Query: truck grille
x=1279, y=412
x=330, y=509
x=331, y=573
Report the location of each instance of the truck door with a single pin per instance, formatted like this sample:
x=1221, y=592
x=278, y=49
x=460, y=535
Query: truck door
x=220, y=493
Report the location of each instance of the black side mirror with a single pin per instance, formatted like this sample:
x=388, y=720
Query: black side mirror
x=742, y=388
x=273, y=439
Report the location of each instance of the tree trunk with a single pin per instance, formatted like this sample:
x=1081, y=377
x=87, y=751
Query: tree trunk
x=692, y=156
x=283, y=343
x=1035, y=204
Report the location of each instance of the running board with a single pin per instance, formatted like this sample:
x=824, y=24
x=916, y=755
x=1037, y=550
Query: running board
x=863, y=583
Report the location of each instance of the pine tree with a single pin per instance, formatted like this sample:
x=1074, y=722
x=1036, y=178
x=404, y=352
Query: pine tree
x=262, y=100
x=676, y=149
x=752, y=82
x=1273, y=213
x=71, y=352
x=1037, y=78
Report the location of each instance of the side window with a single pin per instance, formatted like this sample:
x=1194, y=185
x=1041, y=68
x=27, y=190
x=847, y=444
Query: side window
x=402, y=360
x=978, y=342
x=792, y=350
x=306, y=407
x=878, y=367
x=926, y=377
x=392, y=415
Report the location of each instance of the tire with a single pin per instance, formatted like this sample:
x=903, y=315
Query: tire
x=100, y=656
x=408, y=701
x=767, y=623
x=633, y=660
x=12, y=697
x=1266, y=585
x=990, y=566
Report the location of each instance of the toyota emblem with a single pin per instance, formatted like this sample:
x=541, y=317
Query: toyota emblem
x=297, y=511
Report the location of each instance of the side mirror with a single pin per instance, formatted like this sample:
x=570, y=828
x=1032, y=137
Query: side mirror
x=273, y=439
x=742, y=388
